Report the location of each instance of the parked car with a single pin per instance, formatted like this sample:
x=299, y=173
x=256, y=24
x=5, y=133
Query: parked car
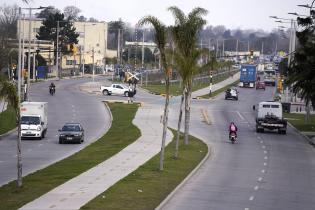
x=71, y=132
x=231, y=93
x=116, y=89
x=260, y=85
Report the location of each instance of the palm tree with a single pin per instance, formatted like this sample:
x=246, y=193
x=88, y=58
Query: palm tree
x=160, y=40
x=185, y=36
x=9, y=95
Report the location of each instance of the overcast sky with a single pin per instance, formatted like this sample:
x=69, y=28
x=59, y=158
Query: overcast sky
x=244, y=14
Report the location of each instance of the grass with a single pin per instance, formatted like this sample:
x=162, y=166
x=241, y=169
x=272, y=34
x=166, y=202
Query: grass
x=7, y=120
x=217, y=92
x=298, y=121
x=147, y=187
x=121, y=134
x=176, y=89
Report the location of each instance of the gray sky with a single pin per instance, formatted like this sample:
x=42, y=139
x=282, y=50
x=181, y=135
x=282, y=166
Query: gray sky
x=244, y=14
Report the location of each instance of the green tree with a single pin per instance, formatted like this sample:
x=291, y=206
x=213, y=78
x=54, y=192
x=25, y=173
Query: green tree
x=67, y=32
x=185, y=35
x=160, y=40
x=9, y=95
x=302, y=68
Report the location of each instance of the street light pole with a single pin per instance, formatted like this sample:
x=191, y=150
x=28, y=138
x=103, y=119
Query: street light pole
x=57, y=48
x=142, y=63
x=93, y=63
x=84, y=50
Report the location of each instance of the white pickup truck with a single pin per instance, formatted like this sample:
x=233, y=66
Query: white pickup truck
x=116, y=89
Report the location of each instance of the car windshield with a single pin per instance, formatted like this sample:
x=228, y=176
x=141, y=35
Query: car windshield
x=70, y=128
x=30, y=120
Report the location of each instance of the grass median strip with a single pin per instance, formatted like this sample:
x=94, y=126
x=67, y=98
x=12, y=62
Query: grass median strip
x=147, y=187
x=7, y=120
x=121, y=134
x=298, y=121
x=217, y=92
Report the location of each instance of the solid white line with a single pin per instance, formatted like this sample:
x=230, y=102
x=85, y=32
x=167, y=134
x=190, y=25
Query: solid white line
x=239, y=114
x=251, y=198
x=256, y=188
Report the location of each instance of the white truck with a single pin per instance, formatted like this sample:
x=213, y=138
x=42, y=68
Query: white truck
x=33, y=119
x=269, y=116
x=116, y=89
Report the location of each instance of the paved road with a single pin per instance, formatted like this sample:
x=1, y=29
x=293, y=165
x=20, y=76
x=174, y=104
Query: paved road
x=69, y=104
x=261, y=171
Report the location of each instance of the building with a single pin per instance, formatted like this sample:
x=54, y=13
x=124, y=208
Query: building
x=92, y=45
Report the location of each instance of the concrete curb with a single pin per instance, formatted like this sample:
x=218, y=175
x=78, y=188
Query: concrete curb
x=168, y=198
x=8, y=133
x=310, y=141
x=110, y=115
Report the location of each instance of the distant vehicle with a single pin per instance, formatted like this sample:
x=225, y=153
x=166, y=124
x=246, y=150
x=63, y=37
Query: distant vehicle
x=269, y=116
x=248, y=75
x=260, y=85
x=71, y=132
x=33, y=119
x=117, y=89
x=231, y=94
x=270, y=77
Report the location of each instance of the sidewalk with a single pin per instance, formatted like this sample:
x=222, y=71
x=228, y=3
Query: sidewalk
x=78, y=191
x=216, y=86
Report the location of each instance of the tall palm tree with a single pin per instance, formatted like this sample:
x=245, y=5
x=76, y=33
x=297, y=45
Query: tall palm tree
x=9, y=95
x=185, y=35
x=160, y=40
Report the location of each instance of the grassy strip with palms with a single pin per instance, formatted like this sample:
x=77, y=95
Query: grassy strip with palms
x=217, y=92
x=121, y=134
x=7, y=120
x=147, y=187
x=298, y=121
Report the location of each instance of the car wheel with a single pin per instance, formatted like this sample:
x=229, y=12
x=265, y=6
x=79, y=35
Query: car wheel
x=60, y=141
x=126, y=94
x=105, y=92
x=79, y=141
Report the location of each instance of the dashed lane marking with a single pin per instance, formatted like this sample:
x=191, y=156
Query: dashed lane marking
x=265, y=152
x=251, y=198
x=266, y=158
x=265, y=164
x=263, y=171
x=260, y=179
x=256, y=188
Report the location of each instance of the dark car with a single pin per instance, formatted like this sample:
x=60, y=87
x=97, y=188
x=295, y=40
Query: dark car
x=231, y=93
x=260, y=85
x=72, y=133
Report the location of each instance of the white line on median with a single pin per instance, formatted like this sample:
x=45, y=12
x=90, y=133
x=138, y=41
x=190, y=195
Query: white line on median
x=239, y=114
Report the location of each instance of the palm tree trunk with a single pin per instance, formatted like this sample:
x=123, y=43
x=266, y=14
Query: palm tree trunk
x=307, y=111
x=187, y=113
x=165, y=118
x=179, y=125
x=19, y=154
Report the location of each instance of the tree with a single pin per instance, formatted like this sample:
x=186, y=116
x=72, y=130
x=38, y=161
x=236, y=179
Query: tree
x=67, y=32
x=8, y=30
x=8, y=94
x=113, y=28
x=160, y=40
x=81, y=18
x=50, y=10
x=71, y=12
x=302, y=68
x=185, y=36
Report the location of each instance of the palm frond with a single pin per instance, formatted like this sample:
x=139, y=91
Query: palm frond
x=178, y=14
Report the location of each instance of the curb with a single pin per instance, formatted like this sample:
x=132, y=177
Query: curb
x=310, y=141
x=8, y=133
x=168, y=198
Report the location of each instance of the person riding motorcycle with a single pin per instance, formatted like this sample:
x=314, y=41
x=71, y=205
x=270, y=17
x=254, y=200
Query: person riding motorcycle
x=52, y=87
x=232, y=129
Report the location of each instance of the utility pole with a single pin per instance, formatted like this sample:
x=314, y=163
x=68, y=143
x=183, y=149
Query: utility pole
x=247, y=46
x=93, y=63
x=84, y=50
x=209, y=50
x=19, y=154
x=262, y=48
x=118, y=47
x=236, y=49
x=29, y=55
x=223, y=48
x=217, y=49
x=142, y=64
x=57, y=49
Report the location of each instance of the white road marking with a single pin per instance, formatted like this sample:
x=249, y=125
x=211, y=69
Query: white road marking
x=258, y=137
x=260, y=179
x=251, y=198
x=239, y=114
x=40, y=145
x=256, y=188
x=246, y=209
x=72, y=105
x=265, y=152
x=263, y=171
x=266, y=158
x=264, y=147
x=29, y=150
x=261, y=142
x=265, y=164
x=1, y=161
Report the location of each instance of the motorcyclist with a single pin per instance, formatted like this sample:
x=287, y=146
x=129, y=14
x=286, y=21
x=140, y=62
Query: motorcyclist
x=232, y=129
x=52, y=87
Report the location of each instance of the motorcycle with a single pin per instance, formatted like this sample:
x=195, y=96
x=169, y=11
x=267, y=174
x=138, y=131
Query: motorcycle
x=52, y=90
x=233, y=137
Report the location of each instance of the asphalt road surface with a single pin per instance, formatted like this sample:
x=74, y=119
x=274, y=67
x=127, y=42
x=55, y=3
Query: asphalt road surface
x=69, y=104
x=260, y=171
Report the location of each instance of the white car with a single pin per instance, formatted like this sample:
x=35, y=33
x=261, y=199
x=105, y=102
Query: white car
x=116, y=89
